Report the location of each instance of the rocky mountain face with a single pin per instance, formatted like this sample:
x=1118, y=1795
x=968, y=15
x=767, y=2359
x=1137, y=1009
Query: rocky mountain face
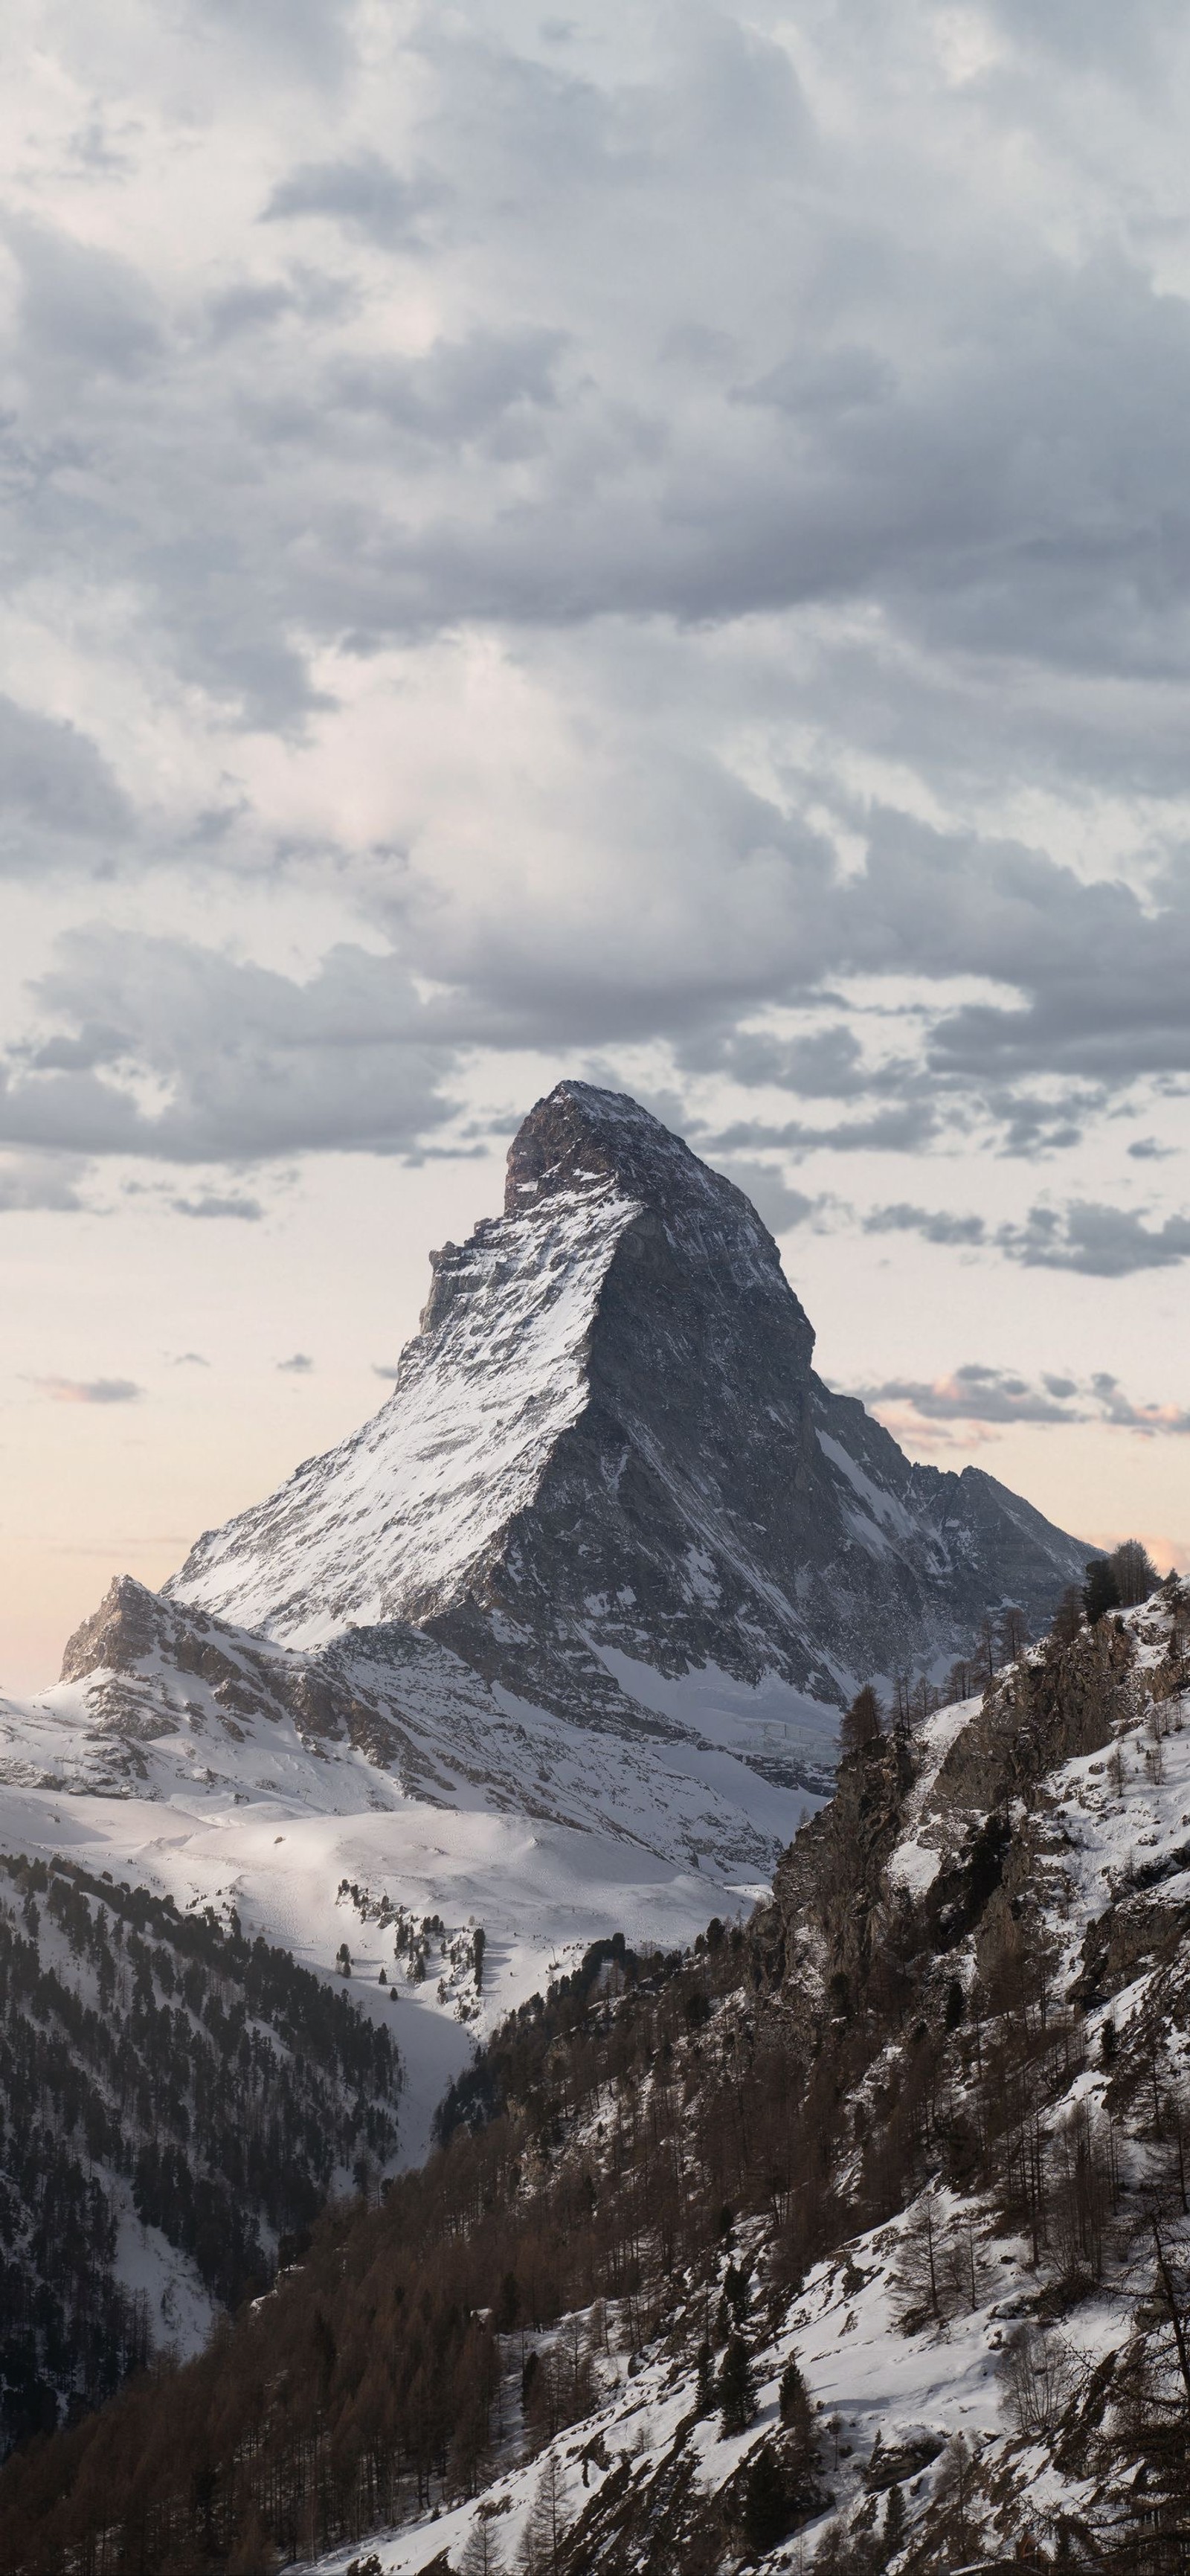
x=607, y=1460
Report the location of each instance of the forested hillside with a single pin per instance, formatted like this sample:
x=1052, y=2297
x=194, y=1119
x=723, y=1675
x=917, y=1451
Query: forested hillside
x=175, y=2102
x=870, y=2224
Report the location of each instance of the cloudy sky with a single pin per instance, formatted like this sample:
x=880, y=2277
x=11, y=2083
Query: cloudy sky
x=652, y=541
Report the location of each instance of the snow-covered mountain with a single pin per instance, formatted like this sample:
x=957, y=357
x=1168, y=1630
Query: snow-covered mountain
x=557, y=1642
x=607, y=1457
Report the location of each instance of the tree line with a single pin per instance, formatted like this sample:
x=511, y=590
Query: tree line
x=160, y=2064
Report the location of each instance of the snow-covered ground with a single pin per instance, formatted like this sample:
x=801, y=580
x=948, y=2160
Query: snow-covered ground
x=540, y=1892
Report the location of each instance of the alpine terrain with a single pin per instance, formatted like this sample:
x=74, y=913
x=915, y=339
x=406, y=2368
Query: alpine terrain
x=557, y=1643
x=856, y=2239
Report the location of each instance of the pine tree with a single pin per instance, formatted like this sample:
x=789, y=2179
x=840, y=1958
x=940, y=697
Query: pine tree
x=766, y=2504
x=794, y=2398
x=1101, y=1592
x=737, y=2397
x=895, y=2519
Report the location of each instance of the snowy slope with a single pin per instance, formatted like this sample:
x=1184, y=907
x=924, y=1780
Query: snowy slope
x=394, y=1521
x=218, y=1767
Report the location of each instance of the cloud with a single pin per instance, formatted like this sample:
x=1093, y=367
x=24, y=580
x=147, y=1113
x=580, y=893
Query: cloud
x=59, y=801
x=166, y=1049
x=1117, y=1408
x=86, y=313
x=1083, y=1235
x=639, y=664
x=189, y=1359
x=362, y=192
x=379, y=1371
x=974, y=1394
x=1103, y=1242
x=49, y=1181
x=901, y=1130
x=299, y=1366
x=95, y=1390
x=978, y=1394
x=936, y=1225
x=209, y=1203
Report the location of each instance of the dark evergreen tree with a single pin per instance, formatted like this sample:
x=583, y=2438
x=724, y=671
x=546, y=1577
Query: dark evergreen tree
x=765, y=2518
x=1101, y=1591
x=737, y=2397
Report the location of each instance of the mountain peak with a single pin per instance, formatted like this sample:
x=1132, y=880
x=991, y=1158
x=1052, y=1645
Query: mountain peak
x=579, y=1138
x=607, y=1454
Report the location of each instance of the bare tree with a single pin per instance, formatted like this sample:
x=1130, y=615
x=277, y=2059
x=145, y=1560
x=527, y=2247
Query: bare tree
x=1014, y=1634
x=481, y=2554
x=545, y=2529
x=1038, y=2376
x=1135, y=1573
x=863, y=1723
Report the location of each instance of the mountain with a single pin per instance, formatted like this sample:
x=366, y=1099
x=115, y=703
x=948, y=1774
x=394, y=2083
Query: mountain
x=607, y=1459
x=557, y=1643
x=857, y=2239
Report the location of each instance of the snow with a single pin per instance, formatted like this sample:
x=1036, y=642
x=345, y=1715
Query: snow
x=770, y=1718
x=543, y=1893
x=881, y=1511
x=180, y=2311
x=390, y=1522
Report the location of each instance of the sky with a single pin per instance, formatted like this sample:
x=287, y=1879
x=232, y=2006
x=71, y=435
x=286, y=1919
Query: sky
x=653, y=543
